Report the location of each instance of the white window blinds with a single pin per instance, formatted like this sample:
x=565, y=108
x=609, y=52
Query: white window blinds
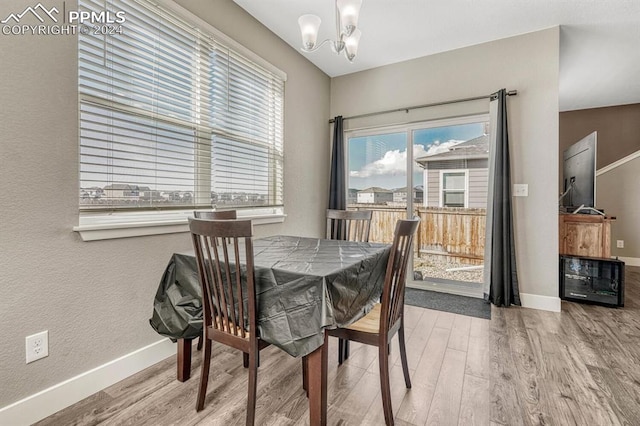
x=173, y=117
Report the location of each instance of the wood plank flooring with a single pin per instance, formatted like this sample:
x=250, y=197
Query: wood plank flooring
x=524, y=367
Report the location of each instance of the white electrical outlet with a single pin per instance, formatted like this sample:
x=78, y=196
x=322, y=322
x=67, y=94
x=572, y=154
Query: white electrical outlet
x=37, y=346
x=620, y=244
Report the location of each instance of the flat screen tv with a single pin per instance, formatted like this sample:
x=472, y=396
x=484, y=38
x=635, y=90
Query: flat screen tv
x=579, y=174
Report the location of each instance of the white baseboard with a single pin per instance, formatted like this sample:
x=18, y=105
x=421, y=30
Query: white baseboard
x=49, y=401
x=542, y=303
x=630, y=261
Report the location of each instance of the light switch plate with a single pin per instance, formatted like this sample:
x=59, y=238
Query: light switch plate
x=520, y=190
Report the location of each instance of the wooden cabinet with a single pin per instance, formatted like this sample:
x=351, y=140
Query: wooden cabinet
x=585, y=235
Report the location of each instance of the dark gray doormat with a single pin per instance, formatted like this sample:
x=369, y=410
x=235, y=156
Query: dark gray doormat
x=448, y=302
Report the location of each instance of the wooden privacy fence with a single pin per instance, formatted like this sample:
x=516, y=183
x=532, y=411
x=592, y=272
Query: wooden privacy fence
x=455, y=233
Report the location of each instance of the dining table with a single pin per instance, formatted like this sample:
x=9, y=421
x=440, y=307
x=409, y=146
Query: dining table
x=304, y=286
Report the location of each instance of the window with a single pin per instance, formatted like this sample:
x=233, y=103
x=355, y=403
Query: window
x=453, y=188
x=175, y=116
x=438, y=171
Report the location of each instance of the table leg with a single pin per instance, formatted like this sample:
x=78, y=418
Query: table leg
x=184, y=359
x=317, y=385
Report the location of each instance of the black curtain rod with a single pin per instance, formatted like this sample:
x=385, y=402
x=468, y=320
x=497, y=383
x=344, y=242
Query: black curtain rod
x=407, y=109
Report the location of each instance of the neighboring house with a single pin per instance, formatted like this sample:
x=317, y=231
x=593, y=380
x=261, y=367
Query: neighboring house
x=459, y=176
x=400, y=195
x=93, y=192
x=147, y=194
x=374, y=195
x=352, y=196
x=121, y=191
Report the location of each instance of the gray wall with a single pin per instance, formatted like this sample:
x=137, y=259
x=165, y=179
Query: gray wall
x=618, y=192
x=528, y=63
x=618, y=131
x=96, y=298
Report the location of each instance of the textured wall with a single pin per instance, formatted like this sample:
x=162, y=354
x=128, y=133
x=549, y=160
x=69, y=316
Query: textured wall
x=618, y=131
x=618, y=193
x=528, y=63
x=96, y=298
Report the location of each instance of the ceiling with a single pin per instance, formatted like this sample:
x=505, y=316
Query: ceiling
x=599, y=39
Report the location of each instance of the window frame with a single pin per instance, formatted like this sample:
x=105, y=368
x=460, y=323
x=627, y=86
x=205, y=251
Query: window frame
x=119, y=223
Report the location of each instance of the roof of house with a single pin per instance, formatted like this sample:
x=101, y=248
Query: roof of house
x=415, y=188
x=473, y=148
x=376, y=189
x=118, y=186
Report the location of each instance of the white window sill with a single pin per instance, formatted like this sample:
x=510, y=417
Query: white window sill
x=107, y=227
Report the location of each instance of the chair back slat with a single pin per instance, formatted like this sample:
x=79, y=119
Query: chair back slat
x=212, y=279
x=395, y=277
x=226, y=276
x=239, y=293
x=350, y=225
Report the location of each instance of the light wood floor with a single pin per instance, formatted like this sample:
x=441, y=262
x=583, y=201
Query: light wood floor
x=524, y=367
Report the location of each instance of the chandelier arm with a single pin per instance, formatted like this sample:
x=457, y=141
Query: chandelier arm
x=316, y=47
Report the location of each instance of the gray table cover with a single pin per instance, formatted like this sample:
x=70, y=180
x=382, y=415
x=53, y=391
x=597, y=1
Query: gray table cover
x=303, y=285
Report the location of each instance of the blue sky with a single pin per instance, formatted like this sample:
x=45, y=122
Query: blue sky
x=380, y=160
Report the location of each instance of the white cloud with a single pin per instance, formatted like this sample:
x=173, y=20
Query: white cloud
x=394, y=162
x=437, y=147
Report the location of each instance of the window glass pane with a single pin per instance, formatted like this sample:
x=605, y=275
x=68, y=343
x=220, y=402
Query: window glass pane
x=453, y=199
x=377, y=168
x=378, y=179
x=453, y=181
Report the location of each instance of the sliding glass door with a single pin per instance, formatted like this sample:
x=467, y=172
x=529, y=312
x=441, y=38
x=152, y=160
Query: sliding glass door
x=434, y=170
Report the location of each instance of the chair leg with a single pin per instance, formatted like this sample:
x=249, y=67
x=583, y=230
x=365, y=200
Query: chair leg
x=245, y=359
x=403, y=357
x=305, y=377
x=253, y=386
x=343, y=350
x=383, y=360
x=204, y=375
x=199, y=343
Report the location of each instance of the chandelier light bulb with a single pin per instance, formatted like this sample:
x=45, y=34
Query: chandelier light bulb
x=349, y=12
x=309, y=26
x=351, y=44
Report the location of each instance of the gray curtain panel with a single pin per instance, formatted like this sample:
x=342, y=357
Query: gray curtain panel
x=500, y=272
x=337, y=184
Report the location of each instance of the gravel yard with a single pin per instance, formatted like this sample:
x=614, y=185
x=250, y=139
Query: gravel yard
x=436, y=267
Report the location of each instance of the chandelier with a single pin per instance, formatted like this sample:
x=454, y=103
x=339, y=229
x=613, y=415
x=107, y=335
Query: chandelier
x=347, y=32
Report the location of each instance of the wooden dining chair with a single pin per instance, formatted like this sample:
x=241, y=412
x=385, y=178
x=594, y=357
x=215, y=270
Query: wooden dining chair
x=229, y=296
x=386, y=319
x=349, y=225
x=215, y=215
